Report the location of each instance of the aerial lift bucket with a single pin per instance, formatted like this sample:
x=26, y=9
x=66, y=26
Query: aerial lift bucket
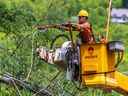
x=98, y=69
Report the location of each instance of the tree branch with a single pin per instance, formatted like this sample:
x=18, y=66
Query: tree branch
x=9, y=80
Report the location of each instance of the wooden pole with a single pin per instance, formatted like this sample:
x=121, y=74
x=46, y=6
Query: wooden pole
x=108, y=19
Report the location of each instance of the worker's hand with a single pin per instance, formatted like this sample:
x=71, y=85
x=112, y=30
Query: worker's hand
x=80, y=27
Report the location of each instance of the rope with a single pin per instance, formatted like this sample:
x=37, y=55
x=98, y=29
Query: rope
x=108, y=19
x=32, y=57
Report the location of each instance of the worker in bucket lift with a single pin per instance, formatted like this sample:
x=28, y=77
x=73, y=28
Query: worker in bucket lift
x=83, y=27
x=86, y=36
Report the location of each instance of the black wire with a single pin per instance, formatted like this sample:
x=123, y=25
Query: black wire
x=57, y=37
x=119, y=58
x=99, y=73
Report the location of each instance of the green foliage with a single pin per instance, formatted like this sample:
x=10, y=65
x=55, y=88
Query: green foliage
x=18, y=38
x=117, y=3
x=15, y=17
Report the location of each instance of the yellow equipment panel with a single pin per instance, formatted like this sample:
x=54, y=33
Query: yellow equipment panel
x=95, y=59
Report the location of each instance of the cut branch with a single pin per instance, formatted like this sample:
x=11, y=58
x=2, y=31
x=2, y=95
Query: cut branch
x=9, y=80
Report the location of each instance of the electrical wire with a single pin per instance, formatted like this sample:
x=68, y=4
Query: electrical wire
x=32, y=56
x=119, y=58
